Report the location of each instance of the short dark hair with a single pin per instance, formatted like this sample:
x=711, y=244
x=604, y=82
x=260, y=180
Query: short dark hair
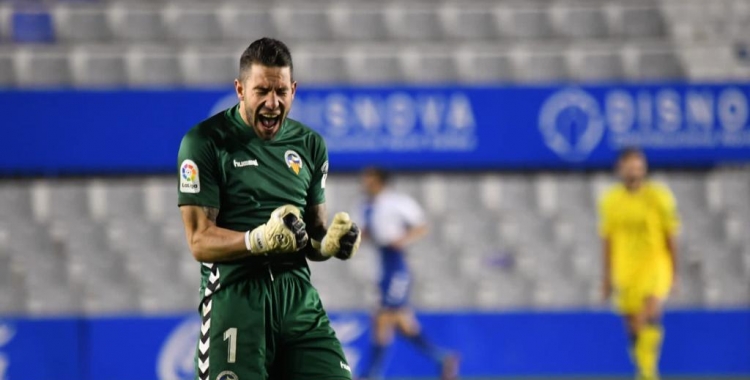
x=381, y=174
x=267, y=52
x=629, y=152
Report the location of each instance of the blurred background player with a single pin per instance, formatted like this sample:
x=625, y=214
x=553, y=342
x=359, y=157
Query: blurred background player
x=638, y=225
x=392, y=222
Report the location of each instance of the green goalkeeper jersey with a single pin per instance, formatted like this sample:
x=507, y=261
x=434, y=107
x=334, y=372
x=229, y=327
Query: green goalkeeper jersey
x=224, y=165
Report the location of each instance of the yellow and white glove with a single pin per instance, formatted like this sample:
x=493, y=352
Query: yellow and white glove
x=283, y=233
x=342, y=239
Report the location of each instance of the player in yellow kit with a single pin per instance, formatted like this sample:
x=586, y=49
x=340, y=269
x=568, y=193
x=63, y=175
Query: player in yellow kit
x=638, y=225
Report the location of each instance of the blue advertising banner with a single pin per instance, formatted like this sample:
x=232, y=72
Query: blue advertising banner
x=42, y=348
x=698, y=343
x=51, y=132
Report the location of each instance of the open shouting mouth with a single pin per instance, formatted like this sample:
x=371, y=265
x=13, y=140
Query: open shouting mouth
x=268, y=123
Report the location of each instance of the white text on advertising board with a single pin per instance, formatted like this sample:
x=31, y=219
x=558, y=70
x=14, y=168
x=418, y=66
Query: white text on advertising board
x=573, y=122
x=397, y=121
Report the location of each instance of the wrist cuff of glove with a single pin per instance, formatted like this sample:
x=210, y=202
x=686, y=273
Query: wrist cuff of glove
x=320, y=247
x=247, y=241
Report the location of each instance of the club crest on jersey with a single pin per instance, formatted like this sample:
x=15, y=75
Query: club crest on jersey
x=227, y=375
x=189, y=177
x=293, y=161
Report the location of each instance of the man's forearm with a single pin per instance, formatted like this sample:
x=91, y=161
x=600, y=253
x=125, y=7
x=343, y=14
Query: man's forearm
x=314, y=254
x=215, y=244
x=316, y=229
x=607, y=262
x=312, y=251
x=411, y=236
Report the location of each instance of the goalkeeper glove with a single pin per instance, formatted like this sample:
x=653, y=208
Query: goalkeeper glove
x=283, y=233
x=342, y=239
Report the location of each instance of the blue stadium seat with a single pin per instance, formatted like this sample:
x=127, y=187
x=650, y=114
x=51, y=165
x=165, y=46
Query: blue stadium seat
x=32, y=26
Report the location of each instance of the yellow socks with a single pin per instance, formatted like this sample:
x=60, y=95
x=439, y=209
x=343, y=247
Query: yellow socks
x=647, y=351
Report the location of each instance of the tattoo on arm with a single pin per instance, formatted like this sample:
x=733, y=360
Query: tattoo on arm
x=211, y=213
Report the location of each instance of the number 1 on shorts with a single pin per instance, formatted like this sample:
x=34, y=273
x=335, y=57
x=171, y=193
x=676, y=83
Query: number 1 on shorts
x=231, y=334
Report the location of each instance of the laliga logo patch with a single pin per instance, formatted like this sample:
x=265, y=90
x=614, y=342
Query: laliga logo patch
x=293, y=161
x=189, y=177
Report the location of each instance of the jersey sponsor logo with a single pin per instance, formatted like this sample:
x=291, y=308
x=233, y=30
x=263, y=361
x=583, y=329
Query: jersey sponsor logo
x=227, y=375
x=189, y=177
x=240, y=164
x=293, y=161
x=345, y=366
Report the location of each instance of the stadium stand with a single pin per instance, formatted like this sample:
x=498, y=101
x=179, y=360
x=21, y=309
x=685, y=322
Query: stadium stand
x=585, y=40
x=103, y=241
x=530, y=256
x=501, y=118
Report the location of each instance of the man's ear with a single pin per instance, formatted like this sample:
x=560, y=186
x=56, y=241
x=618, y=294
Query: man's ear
x=239, y=89
x=294, y=88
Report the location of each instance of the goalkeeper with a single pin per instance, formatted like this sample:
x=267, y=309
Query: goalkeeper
x=252, y=197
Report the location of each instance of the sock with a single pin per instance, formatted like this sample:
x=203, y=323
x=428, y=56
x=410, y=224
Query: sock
x=377, y=362
x=434, y=352
x=633, y=340
x=648, y=349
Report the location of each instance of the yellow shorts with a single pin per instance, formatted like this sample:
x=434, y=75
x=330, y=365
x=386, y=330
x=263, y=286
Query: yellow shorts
x=631, y=293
